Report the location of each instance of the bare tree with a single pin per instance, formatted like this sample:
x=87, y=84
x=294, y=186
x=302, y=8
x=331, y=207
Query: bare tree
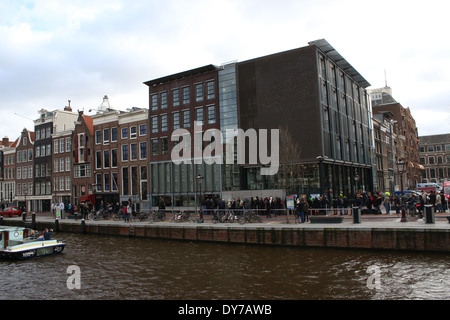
x=290, y=168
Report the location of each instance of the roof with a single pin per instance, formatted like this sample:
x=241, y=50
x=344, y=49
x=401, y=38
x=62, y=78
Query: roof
x=181, y=75
x=327, y=49
x=89, y=123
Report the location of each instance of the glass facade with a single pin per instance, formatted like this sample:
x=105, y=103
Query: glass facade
x=229, y=121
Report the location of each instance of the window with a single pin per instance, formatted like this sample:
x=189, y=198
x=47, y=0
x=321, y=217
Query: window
x=163, y=100
x=176, y=97
x=113, y=134
x=164, y=123
x=68, y=144
x=105, y=136
x=199, y=92
x=143, y=150
x=55, y=147
x=68, y=164
x=114, y=182
x=155, y=147
x=430, y=148
x=133, y=148
x=211, y=114
x=431, y=160
x=176, y=120
x=124, y=133
x=142, y=129
x=114, y=158
x=199, y=112
x=186, y=119
x=106, y=159
x=106, y=182
x=164, y=145
x=210, y=90
x=154, y=99
x=154, y=124
x=62, y=147
x=125, y=181
x=98, y=137
x=133, y=132
x=68, y=183
x=81, y=171
x=125, y=152
x=186, y=95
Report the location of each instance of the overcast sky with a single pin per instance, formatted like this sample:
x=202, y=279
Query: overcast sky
x=52, y=51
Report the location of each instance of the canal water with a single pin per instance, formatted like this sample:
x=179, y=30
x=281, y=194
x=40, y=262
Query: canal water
x=122, y=268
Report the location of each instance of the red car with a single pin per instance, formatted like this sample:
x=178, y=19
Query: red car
x=11, y=211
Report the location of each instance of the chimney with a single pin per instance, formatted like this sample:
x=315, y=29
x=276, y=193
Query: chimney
x=5, y=141
x=68, y=108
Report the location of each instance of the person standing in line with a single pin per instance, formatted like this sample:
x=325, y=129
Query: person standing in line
x=61, y=206
x=387, y=203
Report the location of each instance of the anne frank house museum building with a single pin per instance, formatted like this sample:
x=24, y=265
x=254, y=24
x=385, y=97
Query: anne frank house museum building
x=312, y=95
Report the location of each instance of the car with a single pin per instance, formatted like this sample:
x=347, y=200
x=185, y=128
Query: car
x=11, y=211
x=408, y=193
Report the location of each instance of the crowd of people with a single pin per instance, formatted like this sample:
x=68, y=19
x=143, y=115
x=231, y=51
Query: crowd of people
x=370, y=202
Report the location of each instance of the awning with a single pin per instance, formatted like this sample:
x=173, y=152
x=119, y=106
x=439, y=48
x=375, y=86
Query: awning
x=87, y=197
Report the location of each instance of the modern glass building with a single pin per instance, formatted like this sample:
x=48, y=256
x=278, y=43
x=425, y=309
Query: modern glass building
x=312, y=95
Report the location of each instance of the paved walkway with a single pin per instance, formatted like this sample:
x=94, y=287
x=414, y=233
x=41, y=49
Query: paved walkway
x=367, y=221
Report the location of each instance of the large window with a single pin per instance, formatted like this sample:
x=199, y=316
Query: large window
x=186, y=95
x=210, y=90
x=199, y=92
x=186, y=119
x=211, y=114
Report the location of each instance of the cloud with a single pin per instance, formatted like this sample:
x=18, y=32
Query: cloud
x=81, y=50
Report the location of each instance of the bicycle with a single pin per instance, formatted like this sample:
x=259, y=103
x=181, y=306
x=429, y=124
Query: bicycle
x=250, y=217
x=182, y=217
x=118, y=215
x=157, y=215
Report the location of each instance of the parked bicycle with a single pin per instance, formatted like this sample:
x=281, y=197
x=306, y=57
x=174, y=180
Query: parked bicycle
x=157, y=215
x=99, y=215
x=249, y=216
x=224, y=216
x=182, y=216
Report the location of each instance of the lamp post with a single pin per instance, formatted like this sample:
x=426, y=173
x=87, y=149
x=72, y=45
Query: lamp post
x=356, y=177
x=200, y=179
x=401, y=168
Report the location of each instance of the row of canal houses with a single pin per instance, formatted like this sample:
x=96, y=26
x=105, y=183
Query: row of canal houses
x=72, y=157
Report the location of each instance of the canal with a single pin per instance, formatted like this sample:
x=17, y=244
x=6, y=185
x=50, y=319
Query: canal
x=123, y=268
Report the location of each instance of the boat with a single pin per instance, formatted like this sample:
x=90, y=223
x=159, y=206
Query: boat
x=23, y=243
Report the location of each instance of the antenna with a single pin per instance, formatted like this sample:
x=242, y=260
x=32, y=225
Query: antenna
x=385, y=79
x=23, y=117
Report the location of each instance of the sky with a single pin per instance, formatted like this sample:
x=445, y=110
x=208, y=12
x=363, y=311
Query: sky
x=53, y=51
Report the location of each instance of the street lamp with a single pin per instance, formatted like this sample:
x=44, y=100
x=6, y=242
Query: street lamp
x=356, y=177
x=200, y=179
x=401, y=168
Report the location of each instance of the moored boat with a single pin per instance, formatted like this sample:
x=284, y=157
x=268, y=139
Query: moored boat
x=22, y=243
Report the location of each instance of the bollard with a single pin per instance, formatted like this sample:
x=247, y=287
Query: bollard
x=1, y=219
x=83, y=226
x=33, y=221
x=429, y=213
x=24, y=216
x=356, y=215
x=57, y=225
